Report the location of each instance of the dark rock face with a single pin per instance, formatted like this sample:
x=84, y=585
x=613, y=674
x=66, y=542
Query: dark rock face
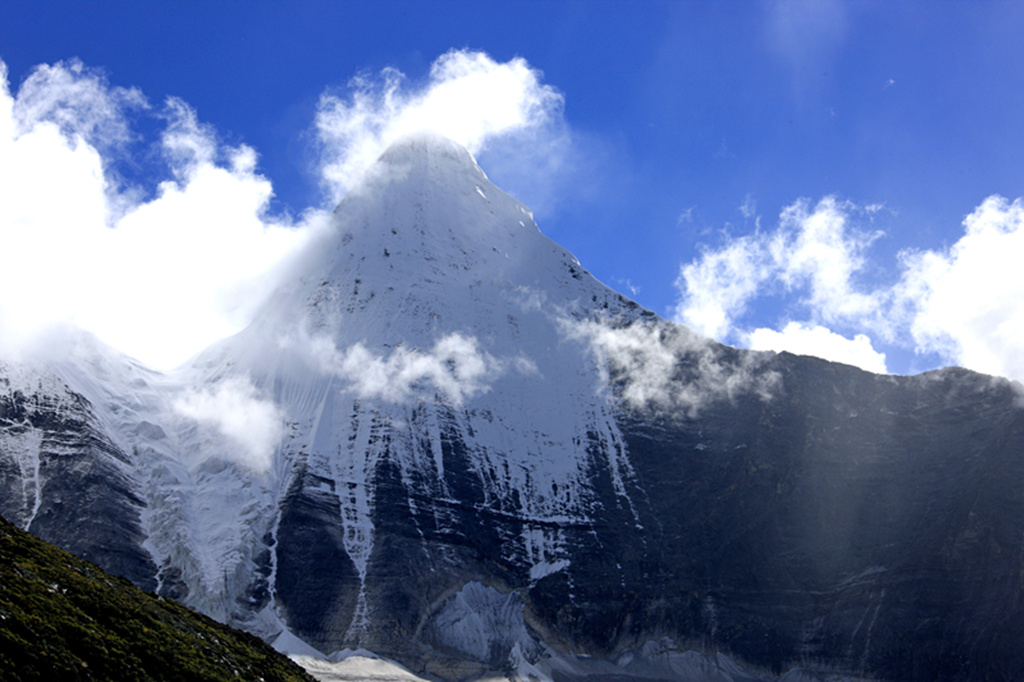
x=66, y=481
x=864, y=524
x=869, y=523
x=857, y=523
x=317, y=585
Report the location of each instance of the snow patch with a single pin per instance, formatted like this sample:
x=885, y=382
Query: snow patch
x=357, y=666
x=543, y=568
x=483, y=624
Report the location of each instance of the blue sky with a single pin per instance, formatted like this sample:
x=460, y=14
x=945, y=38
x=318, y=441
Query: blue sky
x=775, y=174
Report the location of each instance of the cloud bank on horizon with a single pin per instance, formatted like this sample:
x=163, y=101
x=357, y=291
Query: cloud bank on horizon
x=161, y=270
x=964, y=303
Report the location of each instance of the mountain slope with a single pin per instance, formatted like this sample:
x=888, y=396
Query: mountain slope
x=440, y=415
x=444, y=441
x=67, y=476
x=62, y=618
x=866, y=523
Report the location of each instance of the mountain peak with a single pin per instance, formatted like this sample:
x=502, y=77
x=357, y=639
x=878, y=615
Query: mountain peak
x=425, y=244
x=426, y=146
x=421, y=163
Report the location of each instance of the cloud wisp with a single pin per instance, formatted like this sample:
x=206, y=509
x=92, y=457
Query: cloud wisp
x=456, y=368
x=250, y=426
x=667, y=367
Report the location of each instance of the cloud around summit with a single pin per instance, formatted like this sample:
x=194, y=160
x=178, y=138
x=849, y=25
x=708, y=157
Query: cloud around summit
x=468, y=97
x=160, y=264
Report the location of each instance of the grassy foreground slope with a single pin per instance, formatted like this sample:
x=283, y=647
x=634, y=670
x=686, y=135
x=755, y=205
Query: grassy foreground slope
x=62, y=618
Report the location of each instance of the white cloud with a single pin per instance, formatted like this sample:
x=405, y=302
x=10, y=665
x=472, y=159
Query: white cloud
x=817, y=250
x=161, y=272
x=748, y=209
x=813, y=252
x=159, y=279
x=234, y=409
x=717, y=287
x=633, y=289
x=456, y=367
x=203, y=249
x=469, y=98
x=804, y=339
x=78, y=101
x=967, y=303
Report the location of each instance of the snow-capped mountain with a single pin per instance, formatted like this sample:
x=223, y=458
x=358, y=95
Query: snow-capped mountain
x=444, y=441
x=432, y=390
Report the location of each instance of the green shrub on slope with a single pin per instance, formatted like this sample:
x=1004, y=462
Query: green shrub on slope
x=62, y=618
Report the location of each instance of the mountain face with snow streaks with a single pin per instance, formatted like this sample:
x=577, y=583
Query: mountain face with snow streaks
x=444, y=417
x=442, y=440
x=63, y=478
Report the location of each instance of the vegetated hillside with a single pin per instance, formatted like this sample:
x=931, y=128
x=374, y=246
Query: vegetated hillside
x=62, y=618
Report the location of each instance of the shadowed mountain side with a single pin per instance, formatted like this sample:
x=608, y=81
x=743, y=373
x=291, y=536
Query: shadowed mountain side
x=871, y=523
